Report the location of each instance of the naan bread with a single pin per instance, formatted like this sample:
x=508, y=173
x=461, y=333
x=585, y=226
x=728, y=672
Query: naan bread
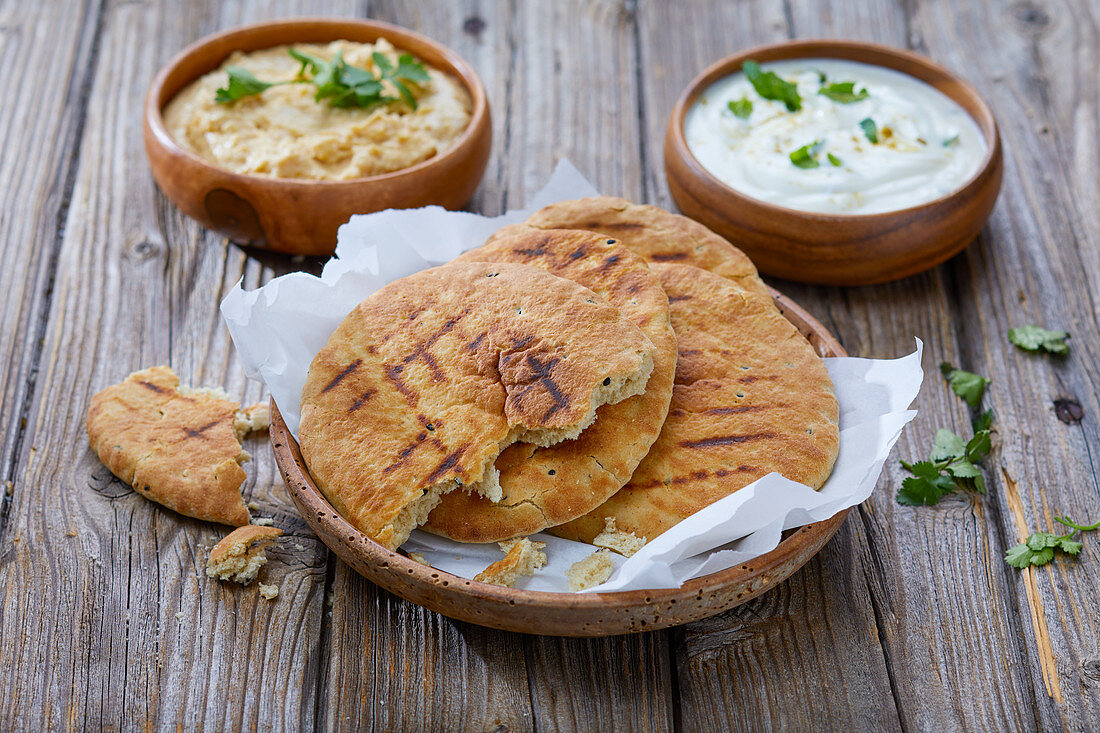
x=176, y=446
x=542, y=487
x=428, y=379
x=655, y=234
x=751, y=397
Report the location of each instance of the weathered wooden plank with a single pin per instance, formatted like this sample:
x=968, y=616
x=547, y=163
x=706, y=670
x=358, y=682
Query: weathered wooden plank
x=804, y=656
x=1039, y=264
x=109, y=620
x=40, y=133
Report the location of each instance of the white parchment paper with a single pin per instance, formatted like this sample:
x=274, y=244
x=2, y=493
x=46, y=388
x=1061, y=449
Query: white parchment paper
x=279, y=327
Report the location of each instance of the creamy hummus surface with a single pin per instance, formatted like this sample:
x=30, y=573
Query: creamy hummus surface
x=284, y=133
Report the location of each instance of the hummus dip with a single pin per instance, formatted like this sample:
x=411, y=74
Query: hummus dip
x=284, y=133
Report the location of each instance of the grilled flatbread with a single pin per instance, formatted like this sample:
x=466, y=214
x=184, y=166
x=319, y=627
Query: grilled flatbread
x=655, y=234
x=428, y=379
x=751, y=397
x=176, y=446
x=542, y=487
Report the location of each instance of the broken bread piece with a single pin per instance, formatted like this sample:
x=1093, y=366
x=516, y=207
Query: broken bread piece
x=427, y=380
x=240, y=554
x=253, y=419
x=268, y=591
x=522, y=557
x=618, y=540
x=177, y=446
x=591, y=571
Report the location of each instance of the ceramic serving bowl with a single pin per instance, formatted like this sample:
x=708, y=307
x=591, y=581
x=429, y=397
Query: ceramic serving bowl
x=302, y=216
x=558, y=614
x=837, y=249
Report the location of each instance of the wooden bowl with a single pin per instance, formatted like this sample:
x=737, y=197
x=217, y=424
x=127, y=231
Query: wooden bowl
x=558, y=614
x=837, y=249
x=302, y=216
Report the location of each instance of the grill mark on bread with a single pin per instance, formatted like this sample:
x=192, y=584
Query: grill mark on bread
x=668, y=256
x=198, y=432
x=608, y=263
x=537, y=251
x=361, y=400
x=393, y=373
x=601, y=225
x=720, y=440
x=447, y=464
x=340, y=377
x=736, y=410
x=750, y=379
x=578, y=253
x=155, y=388
x=422, y=349
x=402, y=455
x=678, y=298
x=472, y=346
x=542, y=371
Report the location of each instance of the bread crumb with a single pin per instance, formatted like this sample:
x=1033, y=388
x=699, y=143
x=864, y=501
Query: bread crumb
x=419, y=558
x=299, y=547
x=263, y=521
x=253, y=506
x=9, y=488
x=619, y=540
x=71, y=532
x=268, y=592
x=240, y=555
x=591, y=571
x=252, y=419
x=523, y=557
x=179, y=615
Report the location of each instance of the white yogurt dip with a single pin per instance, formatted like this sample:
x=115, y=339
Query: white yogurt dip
x=928, y=146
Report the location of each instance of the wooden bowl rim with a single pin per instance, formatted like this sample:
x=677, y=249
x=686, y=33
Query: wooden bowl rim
x=375, y=554
x=154, y=104
x=840, y=49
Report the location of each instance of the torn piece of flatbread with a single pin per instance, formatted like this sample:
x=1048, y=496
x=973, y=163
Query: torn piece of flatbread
x=240, y=554
x=523, y=557
x=591, y=571
x=619, y=540
x=268, y=591
x=175, y=445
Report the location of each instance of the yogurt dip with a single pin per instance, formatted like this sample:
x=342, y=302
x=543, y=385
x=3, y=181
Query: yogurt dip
x=284, y=132
x=822, y=157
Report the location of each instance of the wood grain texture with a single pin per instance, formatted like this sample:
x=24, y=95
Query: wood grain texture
x=909, y=618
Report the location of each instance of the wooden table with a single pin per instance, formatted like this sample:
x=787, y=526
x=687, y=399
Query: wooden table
x=908, y=619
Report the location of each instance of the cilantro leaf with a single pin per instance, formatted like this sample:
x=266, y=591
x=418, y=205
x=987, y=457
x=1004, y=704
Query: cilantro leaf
x=968, y=385
x=343, y=85
x=741, y=107
x=804, y=156
x=1038, y=548
x=870, y=129
x=843, y=92
x=833, y=159
x=1019, y=556
x=1072, y=547
x=769, y=85
x=1036, y=338
x=951, y=141
x=926, y=486
x=978, y=447
x=242, y=83
x=983, y=421
x=947, y=445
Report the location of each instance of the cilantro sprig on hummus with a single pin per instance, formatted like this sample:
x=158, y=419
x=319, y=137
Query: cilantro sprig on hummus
x=342, y=84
